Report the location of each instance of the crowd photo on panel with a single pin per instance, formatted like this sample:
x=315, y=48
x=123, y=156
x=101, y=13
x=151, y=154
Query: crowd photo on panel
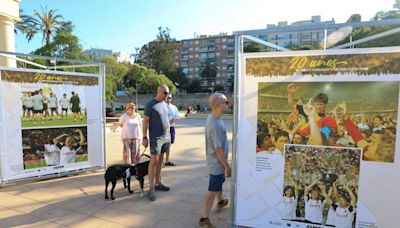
x=324, y=130
x=42, y=106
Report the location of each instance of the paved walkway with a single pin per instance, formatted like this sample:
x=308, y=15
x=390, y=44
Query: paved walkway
x=78, y=201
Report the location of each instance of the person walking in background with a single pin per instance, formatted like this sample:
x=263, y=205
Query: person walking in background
x=155, y=119
x=131, y=124
x=217, y=150
x=64, y=103
x=173, y=115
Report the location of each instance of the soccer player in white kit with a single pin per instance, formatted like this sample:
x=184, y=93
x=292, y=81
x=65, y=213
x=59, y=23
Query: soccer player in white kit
x=314, y=206
x=289, y=202
x=64, y=103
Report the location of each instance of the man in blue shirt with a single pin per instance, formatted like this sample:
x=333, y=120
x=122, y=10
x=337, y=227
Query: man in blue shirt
x=155, y=119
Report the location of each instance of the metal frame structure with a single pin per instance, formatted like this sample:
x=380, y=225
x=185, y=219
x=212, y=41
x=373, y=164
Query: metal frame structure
x=55, y=69
x=239, y=46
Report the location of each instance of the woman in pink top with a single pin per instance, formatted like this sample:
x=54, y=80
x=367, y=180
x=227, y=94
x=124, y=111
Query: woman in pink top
x=131, y=123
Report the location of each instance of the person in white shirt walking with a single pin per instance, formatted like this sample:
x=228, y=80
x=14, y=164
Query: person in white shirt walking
x=173, y=115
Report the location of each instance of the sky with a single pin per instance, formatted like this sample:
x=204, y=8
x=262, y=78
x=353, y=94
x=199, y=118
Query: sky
x=123, y=25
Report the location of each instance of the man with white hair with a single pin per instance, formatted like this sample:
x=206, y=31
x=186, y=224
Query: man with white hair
x=156, y=120
x=217, y=149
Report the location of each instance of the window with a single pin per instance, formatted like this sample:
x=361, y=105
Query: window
x=185, y=70
x=211, y=55
x=262, y=37
x=223, y=47
x=231, y=40
x=217, y=54
x=196, y=42
x=231, y=61
x=203, y=55
x=223, y=40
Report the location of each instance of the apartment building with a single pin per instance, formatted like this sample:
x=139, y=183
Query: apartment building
x=219, y=49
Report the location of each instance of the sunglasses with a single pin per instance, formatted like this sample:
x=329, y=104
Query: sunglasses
x=166, y=93
x=169, y=98
x=226, y=102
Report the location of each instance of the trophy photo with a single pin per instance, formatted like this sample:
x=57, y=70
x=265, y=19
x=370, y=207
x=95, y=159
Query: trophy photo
x=330, y=164
x=295, y=159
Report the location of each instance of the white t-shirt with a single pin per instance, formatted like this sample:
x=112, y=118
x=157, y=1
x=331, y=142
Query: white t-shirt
x=130, y=126
x=29, y=102
x=344, y=217
x=52, y=102
x=288, y=207
x=64, y=102
x=313, y=210
x=38, y=102
x=173, y=112
x=51, y=154
x=67, y=155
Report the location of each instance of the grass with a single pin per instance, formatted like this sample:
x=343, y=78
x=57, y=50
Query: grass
x=42, y=162
x=55, y=122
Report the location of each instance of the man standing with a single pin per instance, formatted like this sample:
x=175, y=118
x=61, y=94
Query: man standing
x=74, y=104
x=173, y=115
x=216, y=155
x=156, y=120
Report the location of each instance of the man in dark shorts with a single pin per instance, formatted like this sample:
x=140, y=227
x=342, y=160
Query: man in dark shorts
x=74, y=102
x=217, y=150
x=156, y=120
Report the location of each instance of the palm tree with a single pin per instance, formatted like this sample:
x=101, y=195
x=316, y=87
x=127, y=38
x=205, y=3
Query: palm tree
x=27, y=25
x=208, y=71
x=48, y=22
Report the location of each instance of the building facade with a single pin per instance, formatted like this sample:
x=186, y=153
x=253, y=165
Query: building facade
x=309, y=32
x=191, y=55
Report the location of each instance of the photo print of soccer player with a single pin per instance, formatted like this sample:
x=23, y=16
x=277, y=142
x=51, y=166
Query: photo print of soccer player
x=348, y=114
x=321, y=185
x=54, y=146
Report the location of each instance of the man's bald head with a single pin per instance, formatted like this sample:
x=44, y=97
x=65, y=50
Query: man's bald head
x=162, y=92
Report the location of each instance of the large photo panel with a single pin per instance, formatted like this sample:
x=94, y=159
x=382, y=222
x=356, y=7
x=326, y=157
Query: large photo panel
x=51, y=122
x=318, y=121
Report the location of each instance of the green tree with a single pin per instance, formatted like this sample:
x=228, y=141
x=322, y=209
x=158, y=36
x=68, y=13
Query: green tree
x=178, y=77
x=115, y=73
x=47, y=22
x=145, y=80
x=208, y=71
x=194, y=86
x=254, y=47
x=26, y=26
x=159, y=54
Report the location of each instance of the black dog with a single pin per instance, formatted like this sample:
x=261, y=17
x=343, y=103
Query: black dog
x=115, y=172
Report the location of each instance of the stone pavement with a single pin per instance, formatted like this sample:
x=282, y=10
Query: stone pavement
x=78, y=200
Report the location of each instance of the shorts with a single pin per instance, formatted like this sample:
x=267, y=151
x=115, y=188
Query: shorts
x=75, y=109
x=37, y=111
x=53, y=109
x=64, y=109
x=172, y=132
x=215, y=183
x=30, y=109
x=159, y=145
x=45, y=107
x=23, y=107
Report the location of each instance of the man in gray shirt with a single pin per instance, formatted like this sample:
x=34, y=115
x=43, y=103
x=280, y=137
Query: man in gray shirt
x=217, y=149
x=156, y=120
